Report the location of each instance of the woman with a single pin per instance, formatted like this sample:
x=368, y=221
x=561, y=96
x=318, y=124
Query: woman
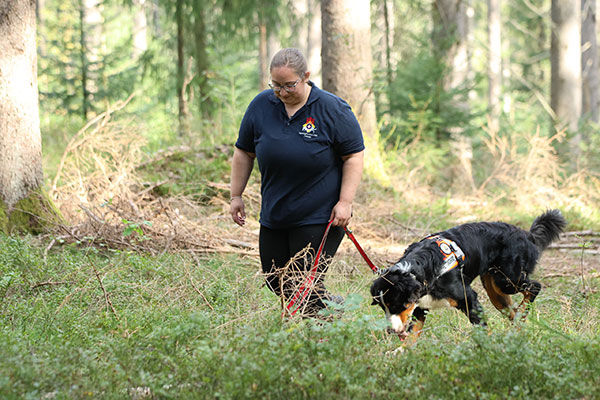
x=309, y=148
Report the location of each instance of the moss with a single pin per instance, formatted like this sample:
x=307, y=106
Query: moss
x=34, y=214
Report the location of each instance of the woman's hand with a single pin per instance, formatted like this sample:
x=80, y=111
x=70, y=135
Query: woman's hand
x=341, y=214
x=351, y=173
x=241, y=167
x=237, y=210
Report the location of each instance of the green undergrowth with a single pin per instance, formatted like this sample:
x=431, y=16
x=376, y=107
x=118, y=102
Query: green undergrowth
x=192, y=173
x=82, y=323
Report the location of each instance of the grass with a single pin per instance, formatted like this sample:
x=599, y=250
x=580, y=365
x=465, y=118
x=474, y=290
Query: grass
x=177, y=327
x=87, y=322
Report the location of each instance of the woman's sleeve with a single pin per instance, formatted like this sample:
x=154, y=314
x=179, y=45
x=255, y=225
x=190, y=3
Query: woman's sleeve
x=349, y=137
x=245, y=140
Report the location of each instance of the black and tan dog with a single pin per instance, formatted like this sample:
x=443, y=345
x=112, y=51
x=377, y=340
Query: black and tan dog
x=438, y=270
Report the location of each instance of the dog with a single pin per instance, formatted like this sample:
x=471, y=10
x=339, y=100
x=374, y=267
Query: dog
x=437, y=271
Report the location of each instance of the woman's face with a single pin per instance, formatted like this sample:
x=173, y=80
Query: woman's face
x=283, y=80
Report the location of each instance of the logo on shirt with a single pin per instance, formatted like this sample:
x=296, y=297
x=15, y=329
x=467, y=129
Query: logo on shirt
x=309, y=128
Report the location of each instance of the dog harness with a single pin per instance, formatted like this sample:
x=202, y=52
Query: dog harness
x=453, y=255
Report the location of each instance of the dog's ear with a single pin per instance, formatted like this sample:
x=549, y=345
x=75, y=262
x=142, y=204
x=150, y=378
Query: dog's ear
x=414, y=297
x=415, y=291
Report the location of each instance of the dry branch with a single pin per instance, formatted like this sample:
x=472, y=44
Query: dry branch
x=49, y=283
x=578, y=246
x=100, y=193
x=106, y=298
x=581, y=233
x=239, y=243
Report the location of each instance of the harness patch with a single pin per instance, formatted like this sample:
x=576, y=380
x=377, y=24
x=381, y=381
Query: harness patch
x=453, y=255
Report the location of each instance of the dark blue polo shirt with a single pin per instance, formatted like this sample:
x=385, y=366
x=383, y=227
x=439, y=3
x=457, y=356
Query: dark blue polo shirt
x=300, y=157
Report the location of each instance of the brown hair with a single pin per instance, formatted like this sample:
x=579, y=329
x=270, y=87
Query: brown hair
x=291, y=58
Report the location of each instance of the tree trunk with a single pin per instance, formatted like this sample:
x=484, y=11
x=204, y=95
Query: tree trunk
x=263, y=61
x=155, y=12
x=140, y=29
x=388, y=17
x=273, y=43
x=91, y=45
x=589, y=61
x=20, y=139
x=565, y=57
x=347, y=69
x=383, y=44
x=183, y=114
x=202, y=64
x=313, y=51
x=450, y=35
x=83, y=61
x=494, y=64
x=507, y=102
x=299, y=9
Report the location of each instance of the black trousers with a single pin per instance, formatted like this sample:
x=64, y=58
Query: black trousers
x=278, y=246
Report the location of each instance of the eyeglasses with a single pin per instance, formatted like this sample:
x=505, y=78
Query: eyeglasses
x=287, y=88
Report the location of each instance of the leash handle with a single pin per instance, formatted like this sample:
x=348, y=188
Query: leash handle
x=303, y=291
x=360, y=250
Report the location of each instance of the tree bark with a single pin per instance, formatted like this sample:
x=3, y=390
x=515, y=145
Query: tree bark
x=383, y=40
x=202, y=63
x=565, y=57
x=388, y=17
x=273, y=43
x=450, y=40
x=313, y=47
x=347, y=69
x=183, y=113
x=20, y=139
x=494, y=63
x=83, y=61
x=263, y=61
x=589, y=61
x=450, y=36
x=299, y=9
x=91, y=46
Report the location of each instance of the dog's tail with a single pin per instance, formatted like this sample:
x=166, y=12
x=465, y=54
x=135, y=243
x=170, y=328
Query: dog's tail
x=547, y=227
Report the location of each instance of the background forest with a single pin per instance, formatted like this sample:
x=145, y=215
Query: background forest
x=465, y=113
x=143, y=288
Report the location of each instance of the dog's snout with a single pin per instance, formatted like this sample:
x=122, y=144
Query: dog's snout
x=402, y=335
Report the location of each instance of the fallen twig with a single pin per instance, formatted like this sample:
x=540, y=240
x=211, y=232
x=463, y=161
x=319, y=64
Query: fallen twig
x=239, y=243
x=49, y=283
x=577, y=246
x=106, y=298
x=581, y=233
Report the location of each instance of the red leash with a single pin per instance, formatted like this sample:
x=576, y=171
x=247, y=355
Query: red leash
x=306, y=287
x=361, y=251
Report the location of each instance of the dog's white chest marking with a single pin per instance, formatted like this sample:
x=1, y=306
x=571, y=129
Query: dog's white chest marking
x=396, y=321
x=428, y=302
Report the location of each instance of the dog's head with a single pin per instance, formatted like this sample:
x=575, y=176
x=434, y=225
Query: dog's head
x=396, y=291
